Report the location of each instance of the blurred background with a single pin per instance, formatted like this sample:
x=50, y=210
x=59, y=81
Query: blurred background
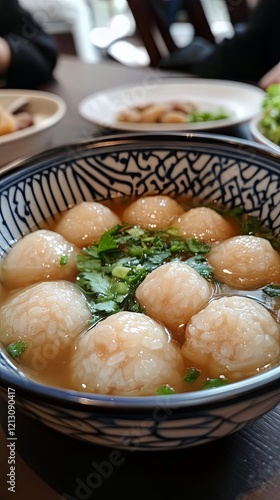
x=97, y=29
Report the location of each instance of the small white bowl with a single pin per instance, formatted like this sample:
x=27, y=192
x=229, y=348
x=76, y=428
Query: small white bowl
x=259, y=137
x=46, y=109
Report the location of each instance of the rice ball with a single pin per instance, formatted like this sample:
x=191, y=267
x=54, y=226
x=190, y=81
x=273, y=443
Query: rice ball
x=47, y=316
x=85, y=223
x=245, y=262
x=152, y=212
x=205, y=224
x=39, y=256
x=126, y=354
x=172, y=293
x=232, y=336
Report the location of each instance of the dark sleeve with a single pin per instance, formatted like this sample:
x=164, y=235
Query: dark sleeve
x=34, y=52
x=250, y=53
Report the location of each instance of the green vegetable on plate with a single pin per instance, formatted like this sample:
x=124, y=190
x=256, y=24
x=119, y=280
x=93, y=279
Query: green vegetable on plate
x=270, y=121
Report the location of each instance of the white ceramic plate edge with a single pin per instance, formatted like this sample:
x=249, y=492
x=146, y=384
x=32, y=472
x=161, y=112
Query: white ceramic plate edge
x=42, y=125
x=259, y=137
x=94, y=107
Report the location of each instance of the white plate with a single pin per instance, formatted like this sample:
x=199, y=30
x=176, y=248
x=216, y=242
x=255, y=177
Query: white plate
x=46, y=109
x=259, y=137
x=241, y=101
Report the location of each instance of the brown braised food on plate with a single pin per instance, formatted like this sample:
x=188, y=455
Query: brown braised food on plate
x=172, y=112
x=10, y=122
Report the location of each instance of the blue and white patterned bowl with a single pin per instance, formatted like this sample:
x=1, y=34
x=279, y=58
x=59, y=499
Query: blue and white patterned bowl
x=231, y=171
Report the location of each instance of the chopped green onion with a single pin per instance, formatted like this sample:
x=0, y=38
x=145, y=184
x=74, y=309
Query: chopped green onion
x=135, y=232
x=16, y=348
x=165, y=389
x=120, y=271
x=121, y=288
x=212, y=383
x=272, y=290
x=191, y=375
x=63, y=260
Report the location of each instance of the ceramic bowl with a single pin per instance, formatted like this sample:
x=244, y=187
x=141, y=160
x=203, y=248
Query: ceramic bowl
x=47, y=111
x=235, y=173
x=259, y=137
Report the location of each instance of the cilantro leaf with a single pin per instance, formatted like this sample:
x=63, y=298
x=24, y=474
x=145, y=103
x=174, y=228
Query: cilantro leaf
x=249, y=224
x=94, y=283
x=110, y=271
x=106, y=243
x=196, y=246
x=202, y=267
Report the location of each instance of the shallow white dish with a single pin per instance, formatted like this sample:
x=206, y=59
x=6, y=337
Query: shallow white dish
x=46, y=109
x=241, y=101
x=259, y=137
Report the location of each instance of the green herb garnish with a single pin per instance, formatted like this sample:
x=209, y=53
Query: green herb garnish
x=191, y=375
x=63, y=260
x=270, y=121
x=107, y=241
x=16, y=348
x=205, y=116
x=110, y=271
x=212, y=383
x=202, y=267
x=249, y=224
x=165, y=389
x=272, y=290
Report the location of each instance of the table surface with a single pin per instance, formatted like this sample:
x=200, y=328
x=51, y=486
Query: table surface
x=50, y=466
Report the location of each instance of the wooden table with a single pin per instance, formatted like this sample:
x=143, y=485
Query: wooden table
x=50, y=466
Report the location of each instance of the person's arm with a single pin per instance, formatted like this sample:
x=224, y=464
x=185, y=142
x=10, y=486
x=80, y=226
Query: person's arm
x=272, y=76
x=33, y=53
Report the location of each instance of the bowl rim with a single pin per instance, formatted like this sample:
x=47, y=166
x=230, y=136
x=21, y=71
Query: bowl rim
x=236, y=391
x=249, y=147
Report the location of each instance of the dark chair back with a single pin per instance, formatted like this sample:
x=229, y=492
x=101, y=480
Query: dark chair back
x=154, y=30
x=238, y=10
x=198, y=19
